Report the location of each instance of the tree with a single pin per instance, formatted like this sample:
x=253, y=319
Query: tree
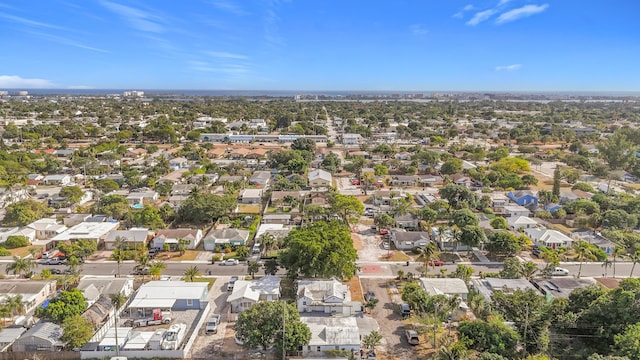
x=21, y=267
x=16, y=241
x=24, y=212
x=205, y=208
x=304, y=144
x=73, y=194
x=320, y=250
x=529, y=180
x=242, y=252
x=583, y=250
x=77, y=331
x=261, y=326
x=372, y=340
x=557, y=176
x=14, y=304
x=65, y=305
x=464, y=217
x=492, y=337
x=499, y=222
x=155, y=269
x=503, y=243
x=271, y=267
x=628, y=343
x=191, y=273
x=429, y=253
x=471, y=236
x=148, y=216
x=383, y=220
x=618, y=152
x=346, y=206
x=253, y=267
x=268, y=242
x=106, y=185
x=459, y=196
x=463, y=272
x=182, y=246
x=618, y=252
x=380, y=170
x=451, y=166
x=511, y=268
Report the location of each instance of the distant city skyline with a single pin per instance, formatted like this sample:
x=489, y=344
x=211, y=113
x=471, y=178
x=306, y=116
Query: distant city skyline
x=411, y=45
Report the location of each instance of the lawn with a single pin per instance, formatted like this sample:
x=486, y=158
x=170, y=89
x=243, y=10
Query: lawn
x=20, y=252
x=396, y=256
x=210, y=281
x=355, y=289
x=357, y=242
x=248, y=209
x=175, y=256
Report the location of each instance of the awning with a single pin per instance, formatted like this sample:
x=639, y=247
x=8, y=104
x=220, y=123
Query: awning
x=152, y=303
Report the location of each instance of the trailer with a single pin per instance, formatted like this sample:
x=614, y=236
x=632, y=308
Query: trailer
x=174, y=336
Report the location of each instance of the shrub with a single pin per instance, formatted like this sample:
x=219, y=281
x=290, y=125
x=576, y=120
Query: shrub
x=16, y=241
x=4, y=252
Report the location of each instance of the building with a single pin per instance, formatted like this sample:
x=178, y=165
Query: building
x=488, y=285
x=9, y=335
x=173, y=237
x=521, y=222
x=260, y=178
x=248, y=292
x=222, y=237
x=251, y=196
x=561, y=287
x=173, y=295
x=548, y=238
x=6, y=233
x=446, y=240
x=129, y=239
x=405, y=180
x=325, y=296
x=515, y=211
x=93, y=231
x=59, y=180
x=405, y=240
x=320, y=178
x=445, y=286
x=47, y=228
x=33, y=292
x=137, y=199
x=331, y=333
x=523, y=198
x=45, y=336
x=93, y=287
x=594, y=238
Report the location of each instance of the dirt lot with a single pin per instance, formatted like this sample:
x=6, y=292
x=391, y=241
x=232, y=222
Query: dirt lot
x=394, y=346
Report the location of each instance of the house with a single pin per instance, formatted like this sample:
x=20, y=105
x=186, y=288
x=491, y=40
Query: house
x=331, y=334
x=182, y=189
x=250, y=196
x=172, y=237
x=515, y=211
x=405, y=240
x=47, y=228
x=33, y=292
x=179, y=163
x=487, y=286
x=551, y=207
x=521, y=222
x=561, y=287
x=325, y=296
x=221, y=237
x=216, y=153
x=6, y=233
x=567, y=196
x=319, y=198
x=174, y=295
x=137, y=199
x=548, y=238
x=260, y=178
x=93, y=287
x=320, y=178
x=462, y=180
x=9, y=335
x=594, y=238
x=284, y=219
x=58, y=180
x=98, y=309
x=523, y=198
x=248, y=292
x=446, y=240
x=385, y=197
x=94, y=231
x=405, y=180
x=430, y=180
x=445, y=286
x=351, y=139
x=135, y=153
x=224, y=179
x=44, y=336
x=498, y=202
x=130, y=239
x=406, y=221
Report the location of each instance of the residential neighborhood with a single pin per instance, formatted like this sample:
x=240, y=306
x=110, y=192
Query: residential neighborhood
x=363, y=229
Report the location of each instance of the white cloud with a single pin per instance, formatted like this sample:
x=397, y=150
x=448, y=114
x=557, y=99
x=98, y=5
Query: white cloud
x=226, y=55
x=28, y=22
x=66, y=41
x=16, y=82
x=137, y=18
x=503, y=2
x=512, y=67
x=418, y=29
x=481, y=16
x=230, y=7
x=468, y=7
x=520, y=13
x=203, y=66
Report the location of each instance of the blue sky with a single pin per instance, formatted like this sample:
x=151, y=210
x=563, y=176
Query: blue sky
x=497, y=45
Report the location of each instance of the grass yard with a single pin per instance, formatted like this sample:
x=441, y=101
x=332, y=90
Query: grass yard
x=175, y=256
x=21, y=251
x=355, y=289
x=396, y=255
x=210, y=281
x=357, y=242
x=248, y=209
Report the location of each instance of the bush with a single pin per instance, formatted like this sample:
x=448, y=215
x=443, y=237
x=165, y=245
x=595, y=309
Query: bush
x=4, y=252
x=16, y=241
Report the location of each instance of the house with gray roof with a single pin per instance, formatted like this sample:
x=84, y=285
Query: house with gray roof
x=173, y=295
x=9, y=335
x=33, y=292
x=325, y=296
x=445, y=286
x=221, y=237
x=320, y=178
x=404, y=240
x=260, y=178
x=44, y=336
x=488, y=285
x=331, y=333
x=130, y=239
x=248, y=292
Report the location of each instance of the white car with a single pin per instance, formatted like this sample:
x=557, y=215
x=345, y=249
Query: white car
x=560, y=272
x=229, y=262
x=385, y=245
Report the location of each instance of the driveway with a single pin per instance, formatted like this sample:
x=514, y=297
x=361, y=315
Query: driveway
x=389, y=320
x=371, y=244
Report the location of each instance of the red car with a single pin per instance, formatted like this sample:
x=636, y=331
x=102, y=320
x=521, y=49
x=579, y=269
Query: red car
x=355, y=182
x=384, y=232
x=436, y=263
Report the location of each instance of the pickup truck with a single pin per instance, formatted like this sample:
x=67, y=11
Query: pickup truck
x=212, y=324
x=159, y=317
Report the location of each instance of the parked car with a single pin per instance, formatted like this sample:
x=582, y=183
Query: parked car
x=435, y=263
x=138, y=270
x=412, y=337
x=385, y=245
x=229, y=262
x=355, y=182
x=384, y=232
x=55, y=261
x=405, y=310
x=55, y=271
x=232, y=283
x=536, y=252
x=560, y=272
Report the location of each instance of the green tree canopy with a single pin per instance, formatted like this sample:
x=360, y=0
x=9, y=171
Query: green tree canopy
x=492, y=336
x=67, y=304
x=24, y=212
x=503, y=243
x=77, y=331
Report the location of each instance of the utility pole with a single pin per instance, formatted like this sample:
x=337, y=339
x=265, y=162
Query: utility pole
x=526, y=324
x=284, y=317
x=435, y=325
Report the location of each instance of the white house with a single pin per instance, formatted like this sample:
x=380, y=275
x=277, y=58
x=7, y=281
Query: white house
x=548, y=238
x=139, y=198
x=351, y=139
x=320, y=178
x=33, y=292
x=173, y=236
x=516, y=210
x=331, y=333
x=445, y=286
x=5, y=233
x=325, y=296
x=221, y=237
x=95, y=231
x=404, y=240
x=60, y=180
x=248, y=292
x=521, y=222
x=251, y=196
x=93, y=288
x=131, y=239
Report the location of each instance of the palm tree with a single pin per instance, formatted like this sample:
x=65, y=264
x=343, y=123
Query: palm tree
x=429, y=253
x=618, y=252
x=4, y=313
x=20, y=266
x=268, y=241
x=635, y=257
x=118, y=254
x=143, y=261
x=14, y=304
x=117, y=300
x=606, y=264
x=155, y=269
x=584, y=252
x=191, y=273
x=454, y=352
